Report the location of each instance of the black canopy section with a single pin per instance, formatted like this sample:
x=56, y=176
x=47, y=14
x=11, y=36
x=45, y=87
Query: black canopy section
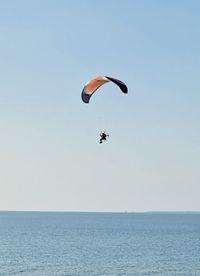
x=121, y=84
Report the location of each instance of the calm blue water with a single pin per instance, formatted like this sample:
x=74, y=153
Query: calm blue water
x=37, y=243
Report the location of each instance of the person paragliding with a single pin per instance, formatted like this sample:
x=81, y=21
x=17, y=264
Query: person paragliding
x=92, y=85
x=103, y=137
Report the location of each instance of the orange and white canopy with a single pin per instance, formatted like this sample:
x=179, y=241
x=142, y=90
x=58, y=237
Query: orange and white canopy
x=92, y=85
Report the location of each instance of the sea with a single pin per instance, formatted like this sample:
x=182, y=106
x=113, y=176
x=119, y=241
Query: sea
x=98, y=244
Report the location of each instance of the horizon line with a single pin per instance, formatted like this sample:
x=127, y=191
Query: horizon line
x=117, y=212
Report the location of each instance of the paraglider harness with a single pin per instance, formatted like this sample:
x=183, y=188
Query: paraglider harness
x=103, y=136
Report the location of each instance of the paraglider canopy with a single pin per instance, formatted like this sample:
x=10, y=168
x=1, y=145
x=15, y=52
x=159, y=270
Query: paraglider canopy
x=92, y=85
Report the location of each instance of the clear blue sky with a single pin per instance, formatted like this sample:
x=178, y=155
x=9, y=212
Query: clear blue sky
x=50, y=157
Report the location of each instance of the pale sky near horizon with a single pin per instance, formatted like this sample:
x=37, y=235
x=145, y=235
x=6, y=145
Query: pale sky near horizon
x=50, y=156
